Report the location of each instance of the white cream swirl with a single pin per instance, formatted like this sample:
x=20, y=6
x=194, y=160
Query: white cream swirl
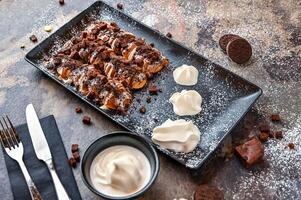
x=178, y=135
x=120, y=171
x=188, y=102
x=186, y=75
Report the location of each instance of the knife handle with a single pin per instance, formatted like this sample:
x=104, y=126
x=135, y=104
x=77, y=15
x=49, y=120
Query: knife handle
x=60, y=190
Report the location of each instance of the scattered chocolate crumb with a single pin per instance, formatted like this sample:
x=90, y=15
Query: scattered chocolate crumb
x=250, y=152
x=169, y=35
x=153, y=90
x=120, y=6
x=208, y=192
x=142, y=110
x=152, y=44
x=291, y=145
x=275, y=117
x=78, y=110
x=138, y=100
x=22, y=46
x=74, y=148
x=278, y=135
x=87, y=120
x=148, y=99
x=72, y=162
x=155, y=120
x=62, y=2
x=76, y=156
x=263, y=136
x=264, y=127
x=160, y=90
x=33, y=38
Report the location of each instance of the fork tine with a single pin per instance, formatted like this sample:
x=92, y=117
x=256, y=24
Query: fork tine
x=15, y=134
x=5, y=136
x=1, y=139
x=10, y=134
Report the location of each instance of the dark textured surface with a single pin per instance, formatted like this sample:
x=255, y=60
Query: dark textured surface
x=272, y=28
x=38, y=170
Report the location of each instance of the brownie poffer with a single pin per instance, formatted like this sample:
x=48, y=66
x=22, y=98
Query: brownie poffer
x=106, y=63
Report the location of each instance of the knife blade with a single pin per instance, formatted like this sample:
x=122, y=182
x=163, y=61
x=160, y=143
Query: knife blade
x=42, y=150
x=38, y=139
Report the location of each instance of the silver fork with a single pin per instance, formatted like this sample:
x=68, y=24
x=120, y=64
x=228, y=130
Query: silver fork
x=12, y=144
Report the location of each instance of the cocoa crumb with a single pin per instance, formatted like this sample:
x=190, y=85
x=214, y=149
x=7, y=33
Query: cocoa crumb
x=33, y=38
x=86, y=120
x=291, y=145
x=264, y=127
x=148, y=99
x=72, y=162
x=120, y=6
x=78, y=110
x=152, y=44
x=22, y=46
x=62, y=2
x=275, y=117
x=142, y=110
x=76, y=156
x=278, y=135
x=74, y=148
x=169, y=35
x=153, y=90
x=263, y=136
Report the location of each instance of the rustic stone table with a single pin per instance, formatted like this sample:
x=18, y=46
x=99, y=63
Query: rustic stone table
x=272, y=27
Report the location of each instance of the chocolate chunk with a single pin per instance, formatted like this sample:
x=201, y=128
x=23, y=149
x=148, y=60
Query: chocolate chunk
x=275, y=117
x=74, y=148
x=33, y=38
x=291, y=145
x=62, y=2
x=76, y=156
x=239, y=50
x=225, y=39
x=86, y=120
x=208, y=192
x=148, y=99
x=153, y=90
x=142, y=110
x=72, y=162
x=57, y=61
x=250, y=152
x=22, y=46
x=120, y=6
x=169, y=35
x=278, y=135
x=263, y=136
x=152, y=44
x=264, y=127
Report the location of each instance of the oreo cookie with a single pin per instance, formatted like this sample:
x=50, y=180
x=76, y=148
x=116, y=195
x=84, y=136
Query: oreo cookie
x=225, y=39
x=207, y=192
x=239, y=50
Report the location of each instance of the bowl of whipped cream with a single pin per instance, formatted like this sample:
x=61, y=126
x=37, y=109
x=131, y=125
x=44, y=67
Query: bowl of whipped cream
x=120, y=165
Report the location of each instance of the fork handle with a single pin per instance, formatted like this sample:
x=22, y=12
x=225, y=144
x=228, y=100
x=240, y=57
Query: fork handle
x=34, y=193
x=60, y=190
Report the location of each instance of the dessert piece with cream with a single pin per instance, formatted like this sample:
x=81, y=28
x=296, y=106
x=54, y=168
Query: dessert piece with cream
x=120, y=171
x=186, y=75
x=178, y=135
x=186, y=102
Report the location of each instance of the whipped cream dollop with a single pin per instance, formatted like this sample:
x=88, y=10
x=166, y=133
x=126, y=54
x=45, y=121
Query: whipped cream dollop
x=120, y=171
x=186, y=102
x=178, y=135
x=186, y=75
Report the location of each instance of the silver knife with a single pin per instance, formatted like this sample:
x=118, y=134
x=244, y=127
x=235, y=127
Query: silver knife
x=42, y=149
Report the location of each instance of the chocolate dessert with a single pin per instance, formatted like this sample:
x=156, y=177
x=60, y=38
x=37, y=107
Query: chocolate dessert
x=105, y=64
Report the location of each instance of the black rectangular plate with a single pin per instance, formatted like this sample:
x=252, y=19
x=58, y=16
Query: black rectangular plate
x=226, y=96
